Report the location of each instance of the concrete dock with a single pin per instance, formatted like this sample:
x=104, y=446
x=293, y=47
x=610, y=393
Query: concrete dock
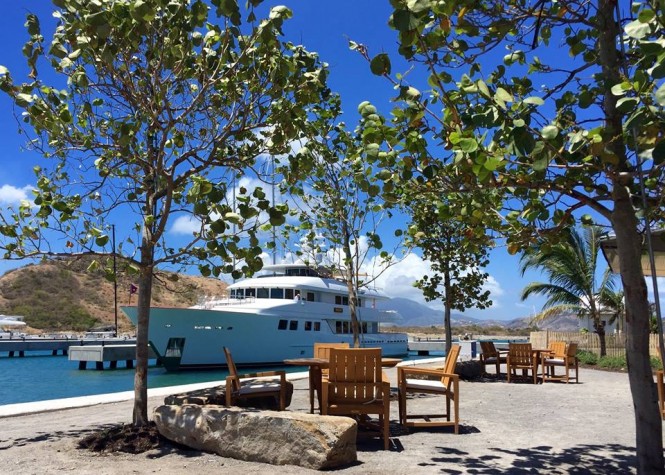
x=21, y=346
x=100, y=354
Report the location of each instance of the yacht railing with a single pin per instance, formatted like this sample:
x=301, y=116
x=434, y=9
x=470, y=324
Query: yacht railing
x=212, y=302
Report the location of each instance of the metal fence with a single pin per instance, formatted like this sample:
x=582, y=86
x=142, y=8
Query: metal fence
x=615, y=342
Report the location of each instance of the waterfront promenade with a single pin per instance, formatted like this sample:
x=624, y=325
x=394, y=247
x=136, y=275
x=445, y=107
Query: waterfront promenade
x=506, y=428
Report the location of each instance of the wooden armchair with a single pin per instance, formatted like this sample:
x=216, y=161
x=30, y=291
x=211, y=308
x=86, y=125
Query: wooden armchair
x=491, y=356
x=446, y=384
x=561, y=355
x=521, y=356
x=239, y=390
x=321, y=350
x=661, y=393
x=356, y=386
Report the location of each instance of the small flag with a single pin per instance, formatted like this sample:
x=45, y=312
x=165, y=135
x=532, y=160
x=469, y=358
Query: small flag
x=132, y=289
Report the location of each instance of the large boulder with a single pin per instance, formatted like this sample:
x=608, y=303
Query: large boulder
x=217, y=396
x=274, y=437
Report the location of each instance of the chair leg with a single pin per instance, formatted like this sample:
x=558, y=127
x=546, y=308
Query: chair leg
x=402, y=406
x=385, y=420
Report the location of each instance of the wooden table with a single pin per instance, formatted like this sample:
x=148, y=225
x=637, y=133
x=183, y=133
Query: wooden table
x=315, y=375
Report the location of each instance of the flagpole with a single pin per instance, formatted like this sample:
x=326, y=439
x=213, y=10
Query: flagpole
x=115, y=283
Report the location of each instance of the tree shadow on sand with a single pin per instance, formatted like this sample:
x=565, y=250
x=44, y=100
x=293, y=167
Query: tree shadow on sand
x=583, y=458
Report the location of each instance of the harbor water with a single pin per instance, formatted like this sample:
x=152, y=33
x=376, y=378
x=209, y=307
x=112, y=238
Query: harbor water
x=41, y=377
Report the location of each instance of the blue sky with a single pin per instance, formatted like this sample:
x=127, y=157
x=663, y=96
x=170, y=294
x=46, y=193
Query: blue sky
x=324, y=27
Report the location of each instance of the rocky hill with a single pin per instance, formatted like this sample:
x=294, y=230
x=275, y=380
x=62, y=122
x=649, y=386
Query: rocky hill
x=414, y=314
x=63, y=295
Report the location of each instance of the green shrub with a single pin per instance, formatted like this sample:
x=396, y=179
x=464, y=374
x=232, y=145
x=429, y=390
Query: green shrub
x=612, y=362
x=587, y=357
x=656, y=363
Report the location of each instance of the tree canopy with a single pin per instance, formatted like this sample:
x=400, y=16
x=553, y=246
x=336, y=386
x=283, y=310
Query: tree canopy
x=152, y=111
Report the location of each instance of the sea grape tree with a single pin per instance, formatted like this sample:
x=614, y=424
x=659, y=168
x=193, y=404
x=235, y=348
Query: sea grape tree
x=150, y=112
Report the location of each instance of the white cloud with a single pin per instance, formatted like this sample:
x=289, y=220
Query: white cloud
x=397, y=281
x=11, y=195
x=186, y=225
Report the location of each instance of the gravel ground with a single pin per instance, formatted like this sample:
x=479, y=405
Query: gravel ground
x=549, y=428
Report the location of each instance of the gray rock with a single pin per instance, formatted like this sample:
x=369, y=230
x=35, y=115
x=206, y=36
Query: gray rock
x=274, y=437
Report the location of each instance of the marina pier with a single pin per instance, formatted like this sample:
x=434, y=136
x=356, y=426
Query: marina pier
x=20, y=346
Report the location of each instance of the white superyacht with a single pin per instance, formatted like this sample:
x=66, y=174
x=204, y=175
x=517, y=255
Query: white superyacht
x=266, y=319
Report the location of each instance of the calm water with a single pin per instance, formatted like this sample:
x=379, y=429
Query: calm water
x=38, y=377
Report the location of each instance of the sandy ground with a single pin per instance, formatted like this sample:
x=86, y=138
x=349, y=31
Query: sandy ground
x=506, y=428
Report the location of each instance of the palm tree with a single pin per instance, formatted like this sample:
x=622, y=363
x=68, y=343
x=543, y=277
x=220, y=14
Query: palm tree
x=570, y=266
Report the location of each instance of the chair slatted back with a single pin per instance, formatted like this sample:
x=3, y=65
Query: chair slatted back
x=520, y=354
x=322, y=350
x=451, y=362
x=571, y=350
x=488, y=349
x=233, y=372
x=558, y=349
x=354, y=375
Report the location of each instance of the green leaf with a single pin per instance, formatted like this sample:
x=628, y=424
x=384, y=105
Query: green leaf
x=638, y=30
x=468, y=145
x=503, y=95
x=101, y=241
x=23, y=100
x=418, y=6
x=660, y=95
x=626, y=104
x=658, y=153
x=483, y=89
x=549, y=132
x=646, y=15
x=535, y=100
x=621, y=88
x=380, y=64
x=540, y=164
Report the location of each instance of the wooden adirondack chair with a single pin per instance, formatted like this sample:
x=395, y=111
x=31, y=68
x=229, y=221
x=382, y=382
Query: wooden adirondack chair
x=491, y=356
x=562, y=355
x=521, y=356
x=356, y=386
x=239, y=389
x=321, y=350
x=446, y=384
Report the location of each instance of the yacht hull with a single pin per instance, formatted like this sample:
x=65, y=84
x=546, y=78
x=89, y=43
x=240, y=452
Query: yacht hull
x=195, y=337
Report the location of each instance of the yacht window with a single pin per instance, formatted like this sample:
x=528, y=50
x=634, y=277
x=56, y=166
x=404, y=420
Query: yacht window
x=360, y=302
x=364, y=328
x=262, y=293
x=293, y=325
x=338, y=327
x=317, y=326
x=341, y=300
x=345, y=327
x=310, y=296
x=281, y=325
x=308, y=326
x=276, y=293
x=288, y=294
x=250, y=292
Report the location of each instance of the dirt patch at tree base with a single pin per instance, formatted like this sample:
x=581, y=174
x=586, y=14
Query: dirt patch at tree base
x=125, y=438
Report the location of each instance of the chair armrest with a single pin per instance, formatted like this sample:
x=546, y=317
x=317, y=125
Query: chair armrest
x=403, y=371
x=263, y=374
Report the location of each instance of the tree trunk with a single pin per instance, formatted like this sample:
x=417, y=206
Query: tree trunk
x=351, y=280
x=600, y=330
x=140, y=414
x=447, y=304
x=648, y=424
